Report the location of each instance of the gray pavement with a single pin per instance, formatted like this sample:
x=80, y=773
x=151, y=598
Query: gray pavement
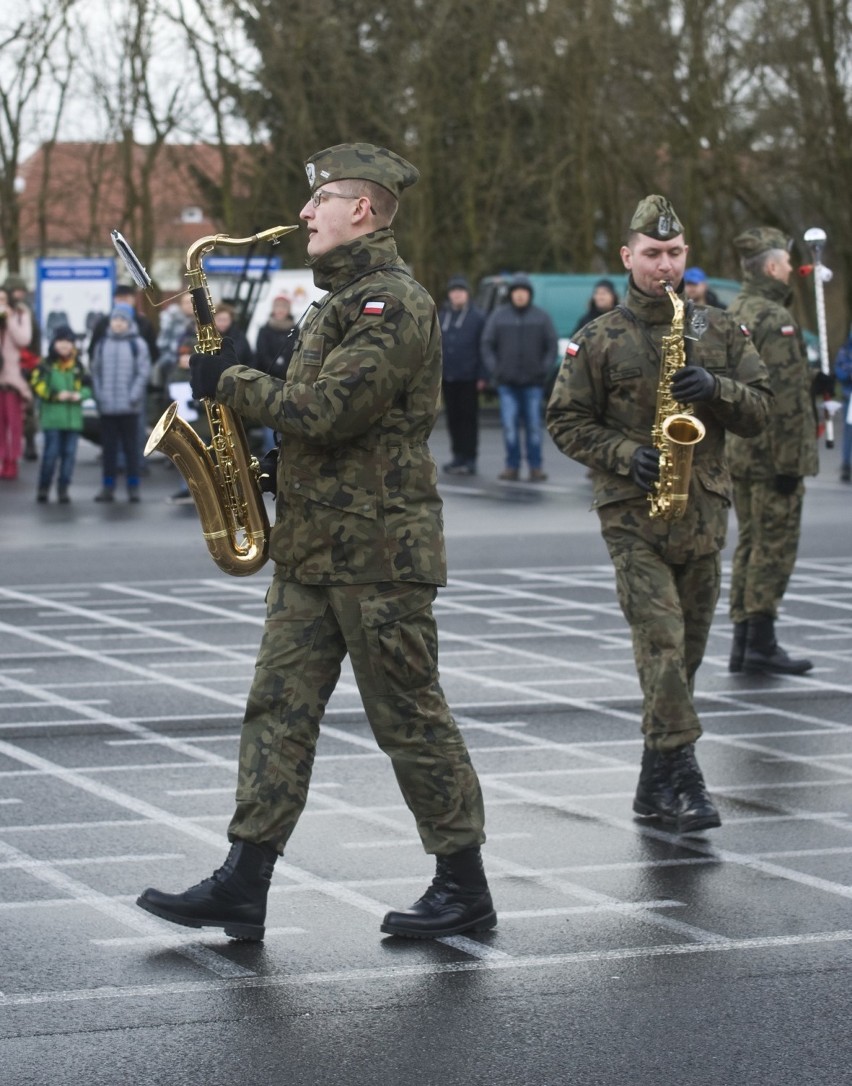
x=623, y=954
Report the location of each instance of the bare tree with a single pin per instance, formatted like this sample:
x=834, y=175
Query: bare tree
x=35, y=63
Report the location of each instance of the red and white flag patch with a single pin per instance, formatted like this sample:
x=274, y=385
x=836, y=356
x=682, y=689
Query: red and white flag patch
x=788, y=329
x=373, y=306
x=572, y=349
x=745, y=330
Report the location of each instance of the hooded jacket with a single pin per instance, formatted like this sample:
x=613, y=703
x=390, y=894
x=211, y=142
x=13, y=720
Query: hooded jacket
x=519, y=345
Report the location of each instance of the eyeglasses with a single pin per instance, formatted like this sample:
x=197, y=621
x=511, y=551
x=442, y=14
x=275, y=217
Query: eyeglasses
x=318, y=196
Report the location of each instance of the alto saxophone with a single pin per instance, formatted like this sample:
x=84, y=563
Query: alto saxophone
x=222, y=477
x=675, y=431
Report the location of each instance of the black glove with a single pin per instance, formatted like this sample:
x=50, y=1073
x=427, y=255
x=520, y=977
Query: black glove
x=786, y=484
x=206, y=369
x=693, y=384
x=645, y=467
x=268, y=472
x=823, y=384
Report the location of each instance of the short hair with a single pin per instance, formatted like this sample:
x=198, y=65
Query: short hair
x=383, y=203
x=125, y=291
x=754, y=265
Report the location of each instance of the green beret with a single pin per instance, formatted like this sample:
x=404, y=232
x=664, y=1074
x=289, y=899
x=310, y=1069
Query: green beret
x=656, y=217
x=363, y=161
x=760, y=239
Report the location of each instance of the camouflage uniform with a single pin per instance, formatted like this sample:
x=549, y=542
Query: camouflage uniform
x=769, y=521
x=667, y=572
x=357, y=544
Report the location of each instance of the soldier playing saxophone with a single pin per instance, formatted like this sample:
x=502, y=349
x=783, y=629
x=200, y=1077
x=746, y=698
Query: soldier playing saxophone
x=668, y=569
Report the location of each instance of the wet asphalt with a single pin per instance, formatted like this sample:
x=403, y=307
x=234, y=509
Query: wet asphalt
x=623, y=954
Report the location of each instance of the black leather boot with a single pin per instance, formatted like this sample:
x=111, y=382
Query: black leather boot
x=655, y=796
x=233, y=898
x=695, y=809
x=738, y=647
x=458, y=900
x=671, y=788
x=764, y=654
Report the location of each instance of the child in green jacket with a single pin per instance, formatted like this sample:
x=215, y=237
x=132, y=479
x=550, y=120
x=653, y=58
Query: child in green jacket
x=61, y=384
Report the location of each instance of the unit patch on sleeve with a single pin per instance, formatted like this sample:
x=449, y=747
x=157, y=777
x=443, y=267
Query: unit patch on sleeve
x=745, y=330
x=788, y=329
x=374, y=306
x=572, y=349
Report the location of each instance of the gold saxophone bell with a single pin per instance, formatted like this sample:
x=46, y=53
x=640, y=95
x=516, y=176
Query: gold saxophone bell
x=222, y=477
x=676, y=431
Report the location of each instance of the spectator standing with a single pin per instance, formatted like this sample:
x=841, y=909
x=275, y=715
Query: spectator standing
x=603, y=300
x=843, y=373
x=697, y=288
x=176, y=323
x=60, y=384
x=519, y=345
x=463, y=374
x=128, y=295
x=19, y=295
x=225, y=321
x=16, y=332
x=668, y=572
x=120, y=370
x=275, y=339
x=769, y=470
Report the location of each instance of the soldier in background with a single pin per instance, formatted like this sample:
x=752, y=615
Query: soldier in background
x=668, y=573
x=358, y=549
x=768, y=472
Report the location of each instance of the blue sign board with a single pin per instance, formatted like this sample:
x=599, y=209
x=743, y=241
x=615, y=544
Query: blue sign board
x=254, y=267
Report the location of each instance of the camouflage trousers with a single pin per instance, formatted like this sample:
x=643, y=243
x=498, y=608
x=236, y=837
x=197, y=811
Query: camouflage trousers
x=389, y=633
x=668, y=597
x=769, y=526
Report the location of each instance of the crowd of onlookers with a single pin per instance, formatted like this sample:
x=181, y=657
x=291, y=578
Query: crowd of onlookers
x=125, y=368
x=130, y=371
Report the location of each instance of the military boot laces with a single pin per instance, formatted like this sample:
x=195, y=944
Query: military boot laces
x=233, y=898
x=457, y=900
x=764, y=654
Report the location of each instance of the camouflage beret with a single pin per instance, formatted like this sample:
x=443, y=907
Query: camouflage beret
x=364, y=161
x=760, y=239
x=656, y=217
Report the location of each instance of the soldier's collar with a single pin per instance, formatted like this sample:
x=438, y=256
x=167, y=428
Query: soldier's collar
x=650, y=310
x=339, y=265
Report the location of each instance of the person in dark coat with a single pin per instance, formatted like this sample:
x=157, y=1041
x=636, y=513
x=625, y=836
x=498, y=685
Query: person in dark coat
x=463, y=374
x=519, y=346
x=275, y=339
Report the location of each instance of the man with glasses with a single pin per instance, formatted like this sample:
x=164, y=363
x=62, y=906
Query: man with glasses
x=359, y=553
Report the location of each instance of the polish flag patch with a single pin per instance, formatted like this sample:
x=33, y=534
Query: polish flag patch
x=745, y=331
x=572, y=349
x=788, y=329
x=373, y=306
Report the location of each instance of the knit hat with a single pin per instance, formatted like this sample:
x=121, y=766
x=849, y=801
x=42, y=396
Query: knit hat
x=63, y=332
x=655, y=217
x=458, y=282
x=694, y=275
x=760, y=239
x=124, y=312
x=363, y=161
x=520, y=281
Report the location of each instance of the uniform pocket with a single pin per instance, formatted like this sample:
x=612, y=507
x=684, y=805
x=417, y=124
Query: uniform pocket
x=402, y=639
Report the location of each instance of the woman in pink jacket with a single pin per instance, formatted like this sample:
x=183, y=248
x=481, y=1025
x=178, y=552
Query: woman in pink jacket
x=16, y=331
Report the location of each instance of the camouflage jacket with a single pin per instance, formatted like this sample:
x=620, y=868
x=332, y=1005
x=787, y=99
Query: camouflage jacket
x=788, y=446
x=357, y=497
x=604, y=402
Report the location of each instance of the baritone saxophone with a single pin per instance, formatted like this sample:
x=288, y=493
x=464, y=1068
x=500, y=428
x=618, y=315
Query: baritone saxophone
x=676, y=432
x=222, y=477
